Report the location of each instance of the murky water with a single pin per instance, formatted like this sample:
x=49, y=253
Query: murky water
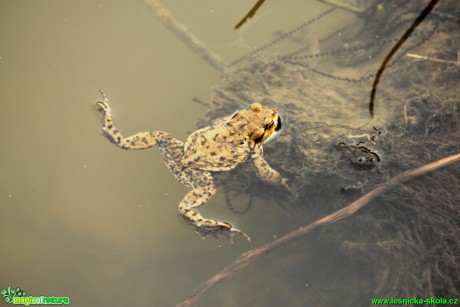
x=83, y=219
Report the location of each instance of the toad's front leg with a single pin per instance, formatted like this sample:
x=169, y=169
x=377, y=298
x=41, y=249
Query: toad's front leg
x=198, y=196
x=265, y=172
x=140, y=140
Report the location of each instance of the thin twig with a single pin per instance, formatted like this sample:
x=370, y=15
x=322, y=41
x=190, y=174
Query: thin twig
x=185, y=35
x=250, y=14
x=395, y=48
x=256, y=254
x=422, y=57
x=346, y=6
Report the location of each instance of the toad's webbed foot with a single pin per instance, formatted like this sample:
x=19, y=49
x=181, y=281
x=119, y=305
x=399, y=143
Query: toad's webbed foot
x=219, y=233
x=104, y=105
x=211, y=226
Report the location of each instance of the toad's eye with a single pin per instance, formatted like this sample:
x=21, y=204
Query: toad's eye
x=276, y=123
x=278, y=126
x=268, y=123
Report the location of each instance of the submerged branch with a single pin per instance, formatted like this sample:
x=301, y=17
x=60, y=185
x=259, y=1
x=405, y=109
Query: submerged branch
x=254, y=255
x=186, y=36
x=422, y=57
x=346, y=6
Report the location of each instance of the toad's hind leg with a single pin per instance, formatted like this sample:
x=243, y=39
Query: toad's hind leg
x=140, y=140
x=198, y=196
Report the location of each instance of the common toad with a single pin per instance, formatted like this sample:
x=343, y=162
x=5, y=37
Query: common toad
x=220, y=147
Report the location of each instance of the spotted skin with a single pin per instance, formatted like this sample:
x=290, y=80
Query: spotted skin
x=221, y=147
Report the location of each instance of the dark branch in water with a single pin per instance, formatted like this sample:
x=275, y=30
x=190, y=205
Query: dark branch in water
x=251, y=14
x=403, y=38
x=256, y=254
